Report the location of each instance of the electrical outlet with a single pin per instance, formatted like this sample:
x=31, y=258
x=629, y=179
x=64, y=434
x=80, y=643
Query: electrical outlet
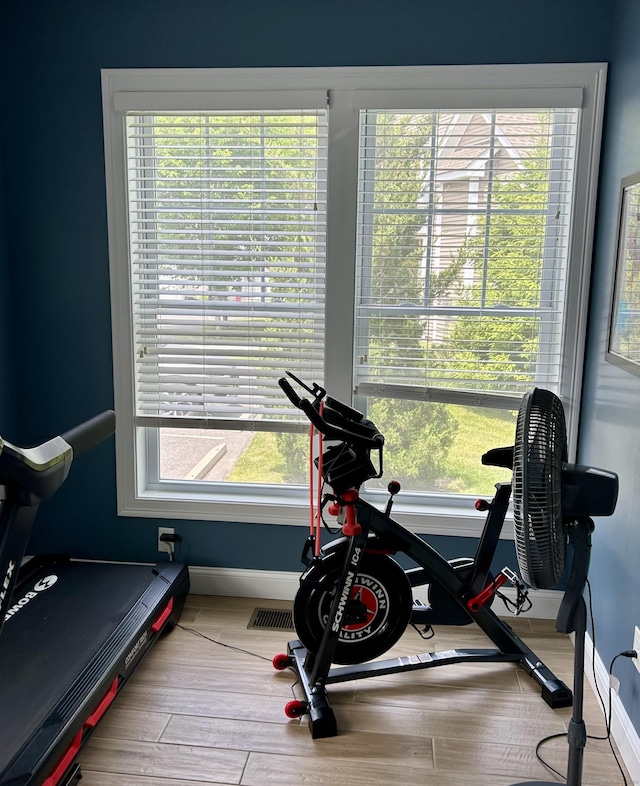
x=164, y=545
x=636, y=647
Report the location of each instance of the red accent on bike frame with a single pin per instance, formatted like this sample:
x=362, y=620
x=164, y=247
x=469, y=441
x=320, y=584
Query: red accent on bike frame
x=478, y=601
x=61, y=767
x=163, y=617
x=103, y=706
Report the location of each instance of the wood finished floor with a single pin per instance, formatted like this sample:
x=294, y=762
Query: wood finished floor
x=197, y=713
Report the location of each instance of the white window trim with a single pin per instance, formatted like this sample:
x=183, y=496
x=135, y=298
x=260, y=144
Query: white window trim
x=438, y=87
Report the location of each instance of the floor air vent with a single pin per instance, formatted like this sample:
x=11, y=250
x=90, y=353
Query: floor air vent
x=271, y=619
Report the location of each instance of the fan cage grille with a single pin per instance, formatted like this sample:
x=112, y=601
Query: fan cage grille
x=539, y=454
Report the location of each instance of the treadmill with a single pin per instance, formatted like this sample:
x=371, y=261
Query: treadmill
x=71, y=632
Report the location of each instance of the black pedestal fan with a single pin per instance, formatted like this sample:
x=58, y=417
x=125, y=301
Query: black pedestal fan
x=552, y=507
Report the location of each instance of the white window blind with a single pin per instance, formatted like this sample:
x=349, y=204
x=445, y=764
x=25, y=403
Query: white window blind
x=227, y=215
x=463, y=237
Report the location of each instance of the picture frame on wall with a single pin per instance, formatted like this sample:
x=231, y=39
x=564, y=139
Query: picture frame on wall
x=623, y=345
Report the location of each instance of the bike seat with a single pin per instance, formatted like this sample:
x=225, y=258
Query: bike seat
x=499, y=457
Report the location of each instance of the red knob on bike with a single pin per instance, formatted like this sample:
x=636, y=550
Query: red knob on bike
x=482, y=504
x=393, y=488
x=334, y=508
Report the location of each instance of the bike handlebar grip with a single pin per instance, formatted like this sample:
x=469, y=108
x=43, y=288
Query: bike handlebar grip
x=337, y=432
x=327, y=429
x=314, y=416
x=290, y=393
x=88, y=434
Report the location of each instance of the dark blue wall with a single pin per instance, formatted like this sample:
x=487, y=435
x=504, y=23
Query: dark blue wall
x=55, y=187
x=7, y=392
x=610, y=426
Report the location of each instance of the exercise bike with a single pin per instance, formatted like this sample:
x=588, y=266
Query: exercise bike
x=354, y=601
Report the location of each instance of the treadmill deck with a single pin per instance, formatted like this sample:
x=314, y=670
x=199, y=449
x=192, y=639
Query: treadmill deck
x=74, y=632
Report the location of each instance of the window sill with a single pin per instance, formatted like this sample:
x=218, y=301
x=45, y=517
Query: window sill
x=437, y=516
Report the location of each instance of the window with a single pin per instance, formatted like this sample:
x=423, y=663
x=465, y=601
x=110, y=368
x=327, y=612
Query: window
x=416, y=239
x=463, y=228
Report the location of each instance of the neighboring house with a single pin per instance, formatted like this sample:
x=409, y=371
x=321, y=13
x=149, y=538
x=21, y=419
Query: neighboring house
x=475, y=154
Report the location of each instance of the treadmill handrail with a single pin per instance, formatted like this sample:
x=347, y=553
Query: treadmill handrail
x=27, y=477
x=36, y=469
x=91, y=432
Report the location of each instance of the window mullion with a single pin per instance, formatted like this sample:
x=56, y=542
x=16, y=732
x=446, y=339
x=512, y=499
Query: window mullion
x=488, y=210
x=428, y=244
x=342, y=183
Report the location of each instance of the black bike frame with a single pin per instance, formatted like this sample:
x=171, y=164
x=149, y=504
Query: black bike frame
x=315, y=670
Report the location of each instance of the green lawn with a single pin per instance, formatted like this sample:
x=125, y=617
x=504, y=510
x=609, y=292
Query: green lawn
x=260, y=463
x=479, y=430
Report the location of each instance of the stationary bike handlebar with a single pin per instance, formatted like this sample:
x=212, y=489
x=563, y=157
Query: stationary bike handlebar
x=338, y=421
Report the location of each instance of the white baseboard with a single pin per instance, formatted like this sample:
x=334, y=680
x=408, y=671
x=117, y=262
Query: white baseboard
x=282, y=585
x=622, y=730
x=240, y=583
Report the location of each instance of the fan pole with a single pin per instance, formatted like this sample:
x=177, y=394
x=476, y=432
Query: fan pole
x=572, y=617
x=577, y=734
